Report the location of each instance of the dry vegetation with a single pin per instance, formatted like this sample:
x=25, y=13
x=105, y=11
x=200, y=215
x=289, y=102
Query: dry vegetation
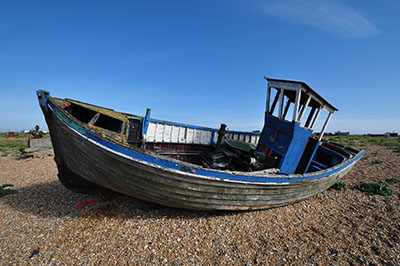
x=10, y=146
x=39, y=225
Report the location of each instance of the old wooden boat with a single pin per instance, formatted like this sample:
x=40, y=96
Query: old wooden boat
x=194, y=167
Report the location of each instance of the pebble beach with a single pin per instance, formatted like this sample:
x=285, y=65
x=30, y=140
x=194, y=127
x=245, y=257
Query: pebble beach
x=40, y=226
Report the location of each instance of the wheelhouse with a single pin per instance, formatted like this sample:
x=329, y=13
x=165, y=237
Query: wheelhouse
x=292, y=111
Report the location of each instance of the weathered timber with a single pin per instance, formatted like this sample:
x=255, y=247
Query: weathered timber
x=94, y=150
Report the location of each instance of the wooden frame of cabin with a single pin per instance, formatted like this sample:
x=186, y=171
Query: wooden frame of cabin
x=301, y=96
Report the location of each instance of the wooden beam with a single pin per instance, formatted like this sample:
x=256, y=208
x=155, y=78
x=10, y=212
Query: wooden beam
x=316, y=117
x=94, y=119
x=286, y=108
x=325, y=126
x=296, y=105
x=310, y=116
x=274, y=103
x=281, y=92
x=303, y=111
x=268, y=98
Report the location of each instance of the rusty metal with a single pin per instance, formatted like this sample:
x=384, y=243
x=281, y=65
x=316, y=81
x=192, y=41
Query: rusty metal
x=37, y=133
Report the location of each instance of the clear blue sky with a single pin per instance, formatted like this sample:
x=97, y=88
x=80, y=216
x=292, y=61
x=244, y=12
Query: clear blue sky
x=201, y=62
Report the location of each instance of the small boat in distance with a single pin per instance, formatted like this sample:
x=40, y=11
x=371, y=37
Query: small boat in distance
x=194, y=167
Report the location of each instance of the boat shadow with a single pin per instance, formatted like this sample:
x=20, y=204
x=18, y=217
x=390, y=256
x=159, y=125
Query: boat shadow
x=51, y=199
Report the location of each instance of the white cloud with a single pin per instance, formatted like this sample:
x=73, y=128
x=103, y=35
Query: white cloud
x=329, y=15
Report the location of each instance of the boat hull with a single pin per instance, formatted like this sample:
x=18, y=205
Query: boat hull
x=95, y=160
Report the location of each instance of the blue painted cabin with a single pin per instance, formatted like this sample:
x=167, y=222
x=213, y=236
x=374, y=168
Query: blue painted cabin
x=292, y=111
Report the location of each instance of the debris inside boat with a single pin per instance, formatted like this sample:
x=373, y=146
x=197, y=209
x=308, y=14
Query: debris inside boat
x=195, y=167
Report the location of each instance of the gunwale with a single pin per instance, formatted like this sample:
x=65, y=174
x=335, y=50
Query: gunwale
x=173, y=165
x=148, y=176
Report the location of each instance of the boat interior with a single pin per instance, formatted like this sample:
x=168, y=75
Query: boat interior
x=286, y=143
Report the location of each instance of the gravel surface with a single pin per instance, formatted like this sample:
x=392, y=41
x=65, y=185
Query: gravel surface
x=39, y=225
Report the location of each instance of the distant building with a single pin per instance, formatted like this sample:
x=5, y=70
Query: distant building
x=11, y=134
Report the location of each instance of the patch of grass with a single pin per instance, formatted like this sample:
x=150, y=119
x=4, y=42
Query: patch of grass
x=349, y=140
x=374, y=188
x=376, y=161
x=392, y=143
x=10, y=146
x=4, y=190
x=338, y=186
x=397, y=149
x=392, y=180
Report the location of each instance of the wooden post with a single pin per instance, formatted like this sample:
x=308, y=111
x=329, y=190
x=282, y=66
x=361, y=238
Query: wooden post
x=303, y=111
x=325, y=126
x=316, y=117
x=281, y=102
x=268, y=98
x=145, y=126
x=296, y=105
x=221, y=135
x=286, y=108
x=274, y=103
x=310, y=116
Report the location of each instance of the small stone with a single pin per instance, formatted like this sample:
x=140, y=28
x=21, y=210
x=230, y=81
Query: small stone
x=34, y=253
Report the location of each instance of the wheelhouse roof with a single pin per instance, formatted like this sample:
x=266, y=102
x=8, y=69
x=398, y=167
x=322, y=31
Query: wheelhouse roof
x=291, y=85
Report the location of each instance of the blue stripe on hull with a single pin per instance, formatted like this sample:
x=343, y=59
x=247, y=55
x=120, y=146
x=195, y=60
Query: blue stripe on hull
x=202, y=173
